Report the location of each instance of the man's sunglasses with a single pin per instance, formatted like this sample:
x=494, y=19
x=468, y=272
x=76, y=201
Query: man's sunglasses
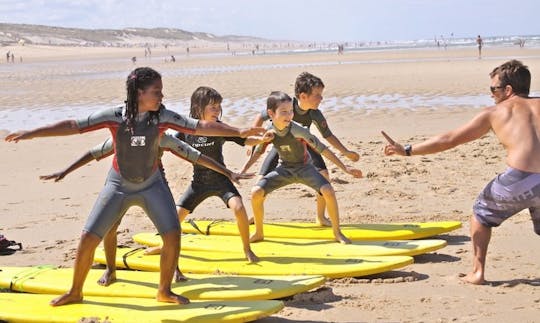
x=494, y=88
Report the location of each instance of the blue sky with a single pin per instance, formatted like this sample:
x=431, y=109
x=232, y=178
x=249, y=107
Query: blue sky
x=317, y=20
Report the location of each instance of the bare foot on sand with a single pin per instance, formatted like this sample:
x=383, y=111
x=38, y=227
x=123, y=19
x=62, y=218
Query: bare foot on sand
x=171, y=297
x=179, y=277
x=256, y=237
x=251, y=257
x=339, y=237
x=472, y=278
x=67, y=298
x=107, y=278
x=323, y=222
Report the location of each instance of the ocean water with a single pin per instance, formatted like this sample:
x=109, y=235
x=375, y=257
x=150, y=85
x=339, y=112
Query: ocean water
x=14, y=118
x=26, y=118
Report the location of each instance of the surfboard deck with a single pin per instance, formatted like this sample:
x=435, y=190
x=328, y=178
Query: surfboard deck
x=51, y=280
x=293, y=247
x=384, y=231
x=235, y=263
x=22, y=307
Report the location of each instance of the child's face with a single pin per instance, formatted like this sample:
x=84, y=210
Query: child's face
x=283, y=115
x=212, y=112
x=311, y=101
x=150, y=98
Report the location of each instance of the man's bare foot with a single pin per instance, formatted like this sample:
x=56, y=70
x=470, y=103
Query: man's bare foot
x=339, y=237
x=251, y=257
x=179, y=277
x=67, y=298
x=107, y=278
x=153, y=251
x=473, y=278
x=170, y=297
x=256, y=237
x=323, y=222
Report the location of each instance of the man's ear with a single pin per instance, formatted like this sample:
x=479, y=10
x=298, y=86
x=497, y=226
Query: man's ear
x=508, y=90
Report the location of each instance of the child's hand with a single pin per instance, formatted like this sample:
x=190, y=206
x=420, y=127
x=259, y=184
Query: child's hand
x=56, y=176
x=16, y=136
x=356, y=173
x=236, y=177
x=353, y=156
x=268, y=136
x=253, y=131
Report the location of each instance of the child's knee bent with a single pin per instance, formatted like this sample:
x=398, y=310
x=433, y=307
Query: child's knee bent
x=327, y=190
x=257, y=193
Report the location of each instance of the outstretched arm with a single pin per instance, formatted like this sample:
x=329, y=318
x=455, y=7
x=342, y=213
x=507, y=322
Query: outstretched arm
x=334, y=159
x=474, y=129
x=219, y=168
x=259, y=150
x=336, y=143
x=211, y=128
x=83, y=160
x=62, y=128
x=98, y=152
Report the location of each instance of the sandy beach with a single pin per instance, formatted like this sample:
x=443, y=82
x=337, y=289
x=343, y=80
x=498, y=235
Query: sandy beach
x=411, y=94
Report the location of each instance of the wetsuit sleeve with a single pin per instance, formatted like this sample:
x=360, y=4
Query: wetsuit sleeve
x=103, y=149
x=320, y=121
x=179, y=148
x=303, y=133
x=101, y=119
x=178, y=122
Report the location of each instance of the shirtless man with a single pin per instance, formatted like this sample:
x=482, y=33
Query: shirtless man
x=515, y=120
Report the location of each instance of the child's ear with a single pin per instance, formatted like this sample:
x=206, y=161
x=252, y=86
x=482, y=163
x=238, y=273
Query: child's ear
x=270, y=113
x=303, y=96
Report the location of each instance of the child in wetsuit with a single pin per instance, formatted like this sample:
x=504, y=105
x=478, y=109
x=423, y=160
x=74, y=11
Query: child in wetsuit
x=291, y=140
x=168, y=142
x=206, y=105
x=308, y=90
x=134, y=178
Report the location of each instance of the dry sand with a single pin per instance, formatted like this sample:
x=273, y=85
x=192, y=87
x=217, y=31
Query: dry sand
x=47, y=217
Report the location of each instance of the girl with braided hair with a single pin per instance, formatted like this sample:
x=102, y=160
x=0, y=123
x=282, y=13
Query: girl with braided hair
x=134, y=178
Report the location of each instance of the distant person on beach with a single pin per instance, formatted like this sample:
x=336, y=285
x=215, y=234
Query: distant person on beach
x=480, y=43
x=8, y=55
x=290, y=140
x=173, y=59
x=515, y=120
x=134, y=178
x=308, y=90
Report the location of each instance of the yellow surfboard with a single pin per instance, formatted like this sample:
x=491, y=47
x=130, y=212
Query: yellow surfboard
x=385, y=231
x=22, y=307
x=50, y=280
x=235, y=263
x=293, y=247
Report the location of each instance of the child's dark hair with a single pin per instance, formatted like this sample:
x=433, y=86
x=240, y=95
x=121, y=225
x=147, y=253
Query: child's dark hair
x=139, y=79
x=305, y=82
x=202, y=97
x=516, y=74
x=275, y=99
